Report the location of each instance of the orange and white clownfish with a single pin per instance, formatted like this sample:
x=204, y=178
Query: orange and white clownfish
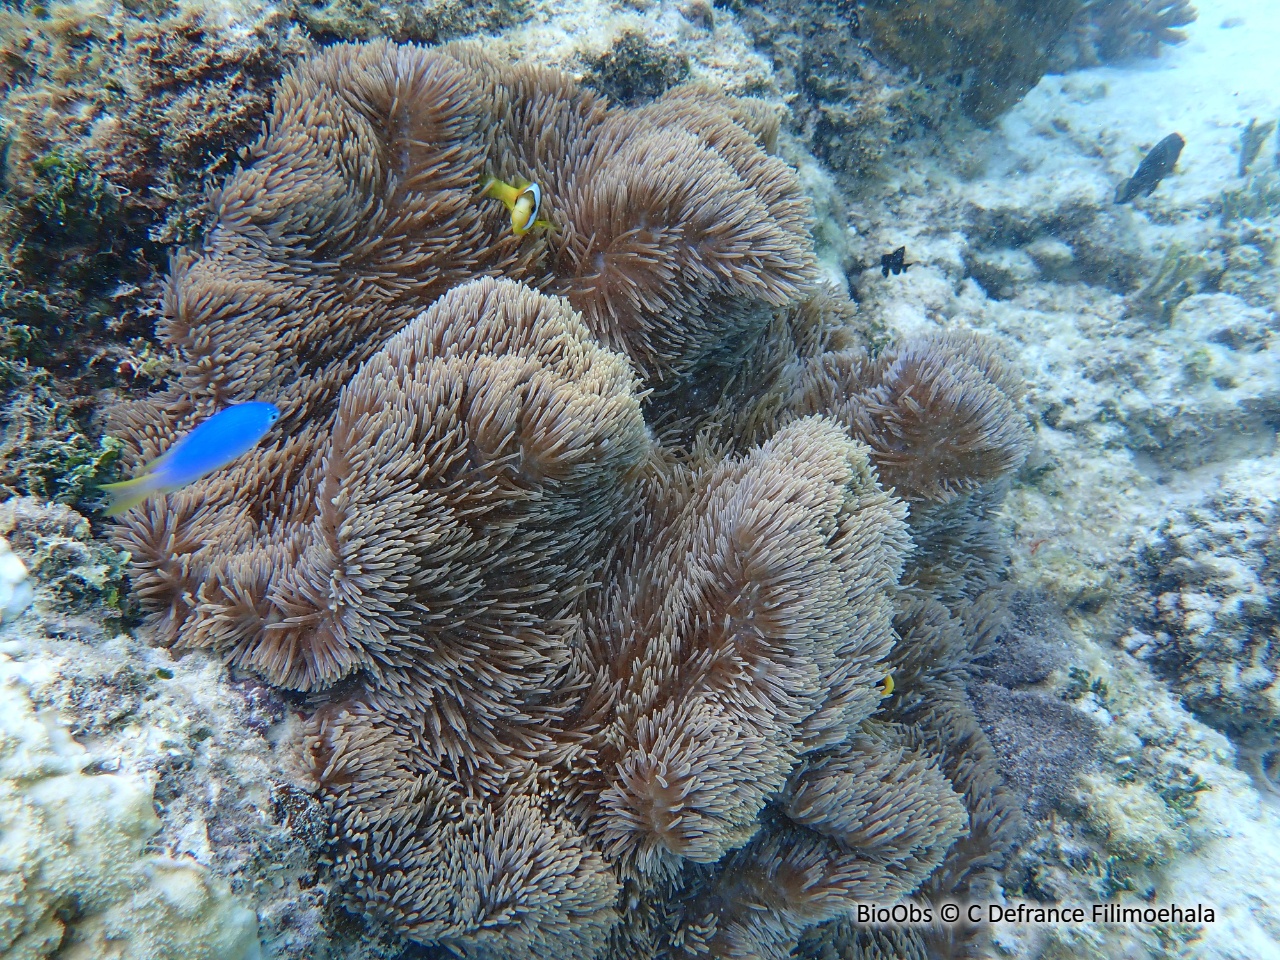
x=523, y=200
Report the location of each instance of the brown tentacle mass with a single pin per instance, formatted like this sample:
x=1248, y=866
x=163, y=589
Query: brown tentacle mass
x=940, y=414
x=751, y=629
x=582, y=538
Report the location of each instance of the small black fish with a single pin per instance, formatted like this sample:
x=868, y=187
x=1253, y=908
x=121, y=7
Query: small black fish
x=895, y=262
x=1155, y=166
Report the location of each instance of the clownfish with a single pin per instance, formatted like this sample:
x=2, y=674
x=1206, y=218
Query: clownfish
x=224, y=437
x=886, y=685
x=524, y=201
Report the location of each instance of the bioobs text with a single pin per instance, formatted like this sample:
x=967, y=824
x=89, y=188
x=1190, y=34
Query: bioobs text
x=900, y=913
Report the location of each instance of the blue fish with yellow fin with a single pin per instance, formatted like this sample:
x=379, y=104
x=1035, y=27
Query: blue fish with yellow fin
x=523, y=200
x=224, y=437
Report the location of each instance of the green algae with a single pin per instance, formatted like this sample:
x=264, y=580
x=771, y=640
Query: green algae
x=1182, y=790
x=73, y=205
x=45, y=451
x=63, y=244
x=1081, y=683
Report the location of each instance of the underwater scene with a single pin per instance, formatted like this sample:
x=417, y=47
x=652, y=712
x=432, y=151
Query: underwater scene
x=639, y=479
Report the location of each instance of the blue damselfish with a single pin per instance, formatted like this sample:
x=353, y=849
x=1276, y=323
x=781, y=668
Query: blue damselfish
x=224, y=437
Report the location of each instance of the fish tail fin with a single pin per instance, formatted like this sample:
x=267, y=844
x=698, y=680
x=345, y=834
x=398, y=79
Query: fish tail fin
x=1122, y=191
x=129, y=493
x=500, y=190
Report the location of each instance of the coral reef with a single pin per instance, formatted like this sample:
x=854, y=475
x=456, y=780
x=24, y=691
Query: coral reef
x=126, y=112
x=1213, y=572
x=991, y=52
x=1108, y=31
x=58, y=545
x=634, y=70
x=46, y=449
x=63, y=250
x=434, y=22
x=77, y=879
x=587, y=570
x=850, y=110
x=113, y=122
x=1138, y=420
x=64, y=238
x=988, y=55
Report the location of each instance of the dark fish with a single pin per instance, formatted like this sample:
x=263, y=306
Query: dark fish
x=895, y=262
x=1155, y=166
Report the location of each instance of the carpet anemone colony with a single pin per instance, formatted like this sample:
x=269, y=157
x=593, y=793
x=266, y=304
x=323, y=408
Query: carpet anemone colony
x=590, y=554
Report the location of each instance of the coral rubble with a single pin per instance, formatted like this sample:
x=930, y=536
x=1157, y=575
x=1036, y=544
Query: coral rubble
x=581, y=544
x=987, y=55
x=851, y=110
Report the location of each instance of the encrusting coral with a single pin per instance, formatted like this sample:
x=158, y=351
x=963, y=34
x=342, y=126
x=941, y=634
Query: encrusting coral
x=576, y=540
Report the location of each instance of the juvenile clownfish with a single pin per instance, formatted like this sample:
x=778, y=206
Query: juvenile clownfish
x=886, y=685
x=224, y=437
x=524, y=201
